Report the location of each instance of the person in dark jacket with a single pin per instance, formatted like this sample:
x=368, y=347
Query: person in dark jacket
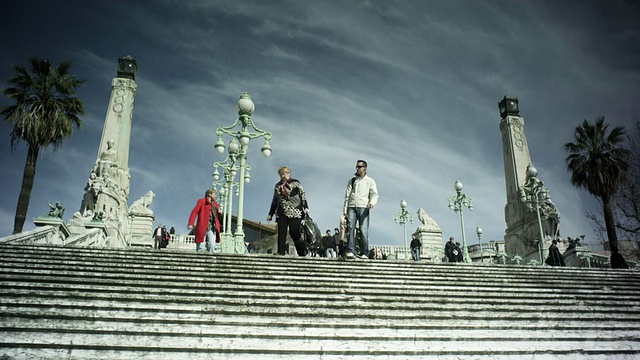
x=329, y=245
x=457, y=253
x=555, y=258
x=289, y=205
x=448, y=250
x=415, y=248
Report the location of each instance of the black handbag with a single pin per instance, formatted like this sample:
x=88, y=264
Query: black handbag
x=310, y=233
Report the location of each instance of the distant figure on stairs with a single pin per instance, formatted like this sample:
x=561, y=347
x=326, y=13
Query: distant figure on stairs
x=457, y=252
x=415, y=247
x=555, y=258
x=448, y=250
x=329, y=245
x=157, y=237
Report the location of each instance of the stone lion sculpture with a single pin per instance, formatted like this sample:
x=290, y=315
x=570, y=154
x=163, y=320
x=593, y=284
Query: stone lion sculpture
x=141, y=206
x=426, y=221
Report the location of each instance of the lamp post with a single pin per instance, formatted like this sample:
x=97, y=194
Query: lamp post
x=401, y=218
x=479, y=232
x=242, y=131
x=225, y=185
x=457, y=203
x=531, y=193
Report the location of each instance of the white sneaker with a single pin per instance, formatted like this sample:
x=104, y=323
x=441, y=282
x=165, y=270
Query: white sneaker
x=349, y=255
x=363, y=256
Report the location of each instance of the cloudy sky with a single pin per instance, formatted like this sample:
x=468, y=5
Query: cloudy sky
x=410, y=86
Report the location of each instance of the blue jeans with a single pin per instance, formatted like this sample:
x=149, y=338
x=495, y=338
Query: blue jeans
x=415, y=252
x=362, y=215
x=210, y=241
x=330, y=253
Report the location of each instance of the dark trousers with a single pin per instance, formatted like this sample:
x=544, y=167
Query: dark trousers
x=294, y=230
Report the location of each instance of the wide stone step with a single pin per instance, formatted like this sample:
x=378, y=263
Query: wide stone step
x=380, y=293
x=77, y=303
x=167, y=295
x=357, y=315
x=341, y=325
x=255, y=347
x=132, y=352
x=374, y=279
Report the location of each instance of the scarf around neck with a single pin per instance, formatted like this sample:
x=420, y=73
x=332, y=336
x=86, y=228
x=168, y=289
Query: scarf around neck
x=285, y=187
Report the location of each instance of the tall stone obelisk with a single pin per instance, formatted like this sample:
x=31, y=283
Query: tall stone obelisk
x=522, y=233
x=107, y=190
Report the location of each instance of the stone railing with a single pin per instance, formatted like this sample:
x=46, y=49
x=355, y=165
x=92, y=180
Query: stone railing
x=93, y=237
x=41, y=235
x=429, y=253
x=182, y=242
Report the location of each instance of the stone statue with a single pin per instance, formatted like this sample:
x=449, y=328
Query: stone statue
x=141, y=206
x=107, y=161
x=90, y=194
x=56, y=211
x=427, y=222
x=550, y=219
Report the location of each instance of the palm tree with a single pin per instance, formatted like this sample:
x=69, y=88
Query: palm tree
x=44, y=111
x=597, y=162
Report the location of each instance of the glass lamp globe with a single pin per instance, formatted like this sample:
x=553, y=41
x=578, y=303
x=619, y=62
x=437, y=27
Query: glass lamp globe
x=245, y=105
x=219, y=146
x=403, y=204
x=266, y=149
x=244, y=137
x=458, y=185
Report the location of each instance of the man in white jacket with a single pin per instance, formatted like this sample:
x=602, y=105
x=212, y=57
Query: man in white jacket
x=361, y=196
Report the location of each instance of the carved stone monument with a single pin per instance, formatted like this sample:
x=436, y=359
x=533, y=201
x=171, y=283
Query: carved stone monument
x=430, y=234
x=522, y=236
x=107, y=190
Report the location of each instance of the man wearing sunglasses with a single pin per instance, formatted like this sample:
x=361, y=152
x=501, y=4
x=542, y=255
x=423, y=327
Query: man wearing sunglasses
x=361, y=196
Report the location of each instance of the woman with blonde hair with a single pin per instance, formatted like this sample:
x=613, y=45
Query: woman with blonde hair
x=289, y=205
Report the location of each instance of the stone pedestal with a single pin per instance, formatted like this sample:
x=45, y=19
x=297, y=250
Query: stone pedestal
x=63, y=231
x=229, y=244
x=431, y=238
x=141, y=230
x=577, y=256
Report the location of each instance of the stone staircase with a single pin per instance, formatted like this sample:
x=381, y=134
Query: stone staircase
x=97, y=303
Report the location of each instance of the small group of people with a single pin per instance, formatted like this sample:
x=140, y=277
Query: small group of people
x=161, y=236
x=290, y=207
x=331, y=245
x=452, y=251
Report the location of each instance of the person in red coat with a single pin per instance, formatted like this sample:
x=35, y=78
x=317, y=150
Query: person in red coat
x=207, y=211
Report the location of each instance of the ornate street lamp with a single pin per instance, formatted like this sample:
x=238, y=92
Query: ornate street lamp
x=401, y=218
x=457, y=203
x=532, y=193
x=224, y=185
x=479, y=232
x=242, y=131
